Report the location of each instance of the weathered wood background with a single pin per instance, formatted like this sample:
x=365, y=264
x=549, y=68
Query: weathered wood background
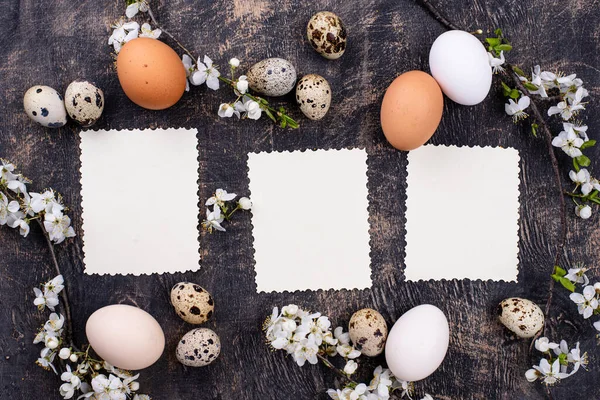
x=55, y=42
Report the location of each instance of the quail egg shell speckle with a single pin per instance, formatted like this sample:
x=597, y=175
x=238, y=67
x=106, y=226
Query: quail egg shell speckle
x=84, y=102
x=313, y=95
x=368, y=331
x=272, y=77
x=327, y=34
x=198, y=348
x=521, y=316
x=192, y=302
x=45, y=106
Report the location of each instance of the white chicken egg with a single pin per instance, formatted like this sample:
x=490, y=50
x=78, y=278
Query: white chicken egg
x=417, y=343
x=459, y=63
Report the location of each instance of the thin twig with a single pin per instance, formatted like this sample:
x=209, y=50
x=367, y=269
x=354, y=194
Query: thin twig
x=335, y=369
x=163, y=30
x=438, y=16
x=563, y=221
x=63, y=293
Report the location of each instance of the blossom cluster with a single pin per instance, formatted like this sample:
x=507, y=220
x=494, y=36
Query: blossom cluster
x=19, y=207
x=309, y=337
x=221, y=210
x=557, y=360
x=125, y=30
x=115, y=384
x=573, y=138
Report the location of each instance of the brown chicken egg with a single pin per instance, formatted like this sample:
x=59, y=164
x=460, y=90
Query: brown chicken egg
x=151, y=73
x=411, y=110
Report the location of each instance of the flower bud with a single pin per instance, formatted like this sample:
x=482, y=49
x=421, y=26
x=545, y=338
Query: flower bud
x=245, y=203
x=234, y=62
x=52, y=343
x=73, y=358
x=64, y=353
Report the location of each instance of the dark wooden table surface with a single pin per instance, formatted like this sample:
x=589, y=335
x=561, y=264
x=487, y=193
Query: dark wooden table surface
x=55, y=42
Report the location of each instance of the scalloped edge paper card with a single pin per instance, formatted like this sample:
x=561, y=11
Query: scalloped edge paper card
x=131, y=224
x=462, y=213
x=310, y=220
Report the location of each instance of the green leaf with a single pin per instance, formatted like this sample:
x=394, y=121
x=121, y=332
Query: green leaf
x=503, y=47
x=493, y=42
x=593, y=195
x=530, y=86
x=575, y=165
x=559, y=271
x=589, y=143
x=595, y=200
x=518, y=71
x=514, y=94
x=583, y=161
x=270, y=115
x=567, y=284
x=534, y=128
x=506, y=89
x=498, y=32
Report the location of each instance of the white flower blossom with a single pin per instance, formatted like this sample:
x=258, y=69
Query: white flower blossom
x=226, y=110
x=517, y=110
x=586, y=302
x=250, y=107
x=496, y=63
x=569, y=107
x=6, y=172
x=18, y=184
x=242, y=84
x=206, y=72
x=306, y=351
x=549, y=374
x=350, y=367
x=577, y=275
x=543, y=344
x=46, y=358
x=58, y=226
x=64, y=353
x=138, y=6
x=213, y=219
x=569, y=142
x=234, y=62
x=146, y=31
x=123, y=32
x=581, y=130
x=220, y=198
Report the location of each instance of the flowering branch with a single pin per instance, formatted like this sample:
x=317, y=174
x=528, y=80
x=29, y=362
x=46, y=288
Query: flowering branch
x=221, y=211
x=246, y=106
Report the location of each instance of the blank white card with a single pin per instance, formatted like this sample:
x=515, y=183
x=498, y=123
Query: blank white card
x=462, y=213
x=139, y=193
x=310, y=220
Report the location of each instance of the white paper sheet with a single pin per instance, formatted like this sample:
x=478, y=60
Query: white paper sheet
x=310, y=220
x=140, y=201
x=462, y=213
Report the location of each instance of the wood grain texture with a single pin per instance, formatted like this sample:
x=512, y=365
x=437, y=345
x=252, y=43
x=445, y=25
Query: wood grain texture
x=54, y=42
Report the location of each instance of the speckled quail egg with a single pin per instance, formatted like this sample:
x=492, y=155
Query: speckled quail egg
x=272, y=77
x=368, y=331
x=327, y=34
x=192, y=302
x=313, y=95
x=198, y=348
x=45, y=106
x=84, y=102
x=521, y=316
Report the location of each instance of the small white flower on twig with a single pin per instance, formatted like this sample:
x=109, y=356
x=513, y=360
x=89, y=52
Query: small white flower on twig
x=577, y=275
x=245, y=203
x=569, y=142
x=122, y=33
x=496, y=63
x=517, y=110
x=543, y=344
x=220, y=197
x=242, y=84
x=586, y=302
x=147, y=32
x=206, y=72
x=213, y=219
x=569, y=107
x=138, y=6
x=234, y=62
